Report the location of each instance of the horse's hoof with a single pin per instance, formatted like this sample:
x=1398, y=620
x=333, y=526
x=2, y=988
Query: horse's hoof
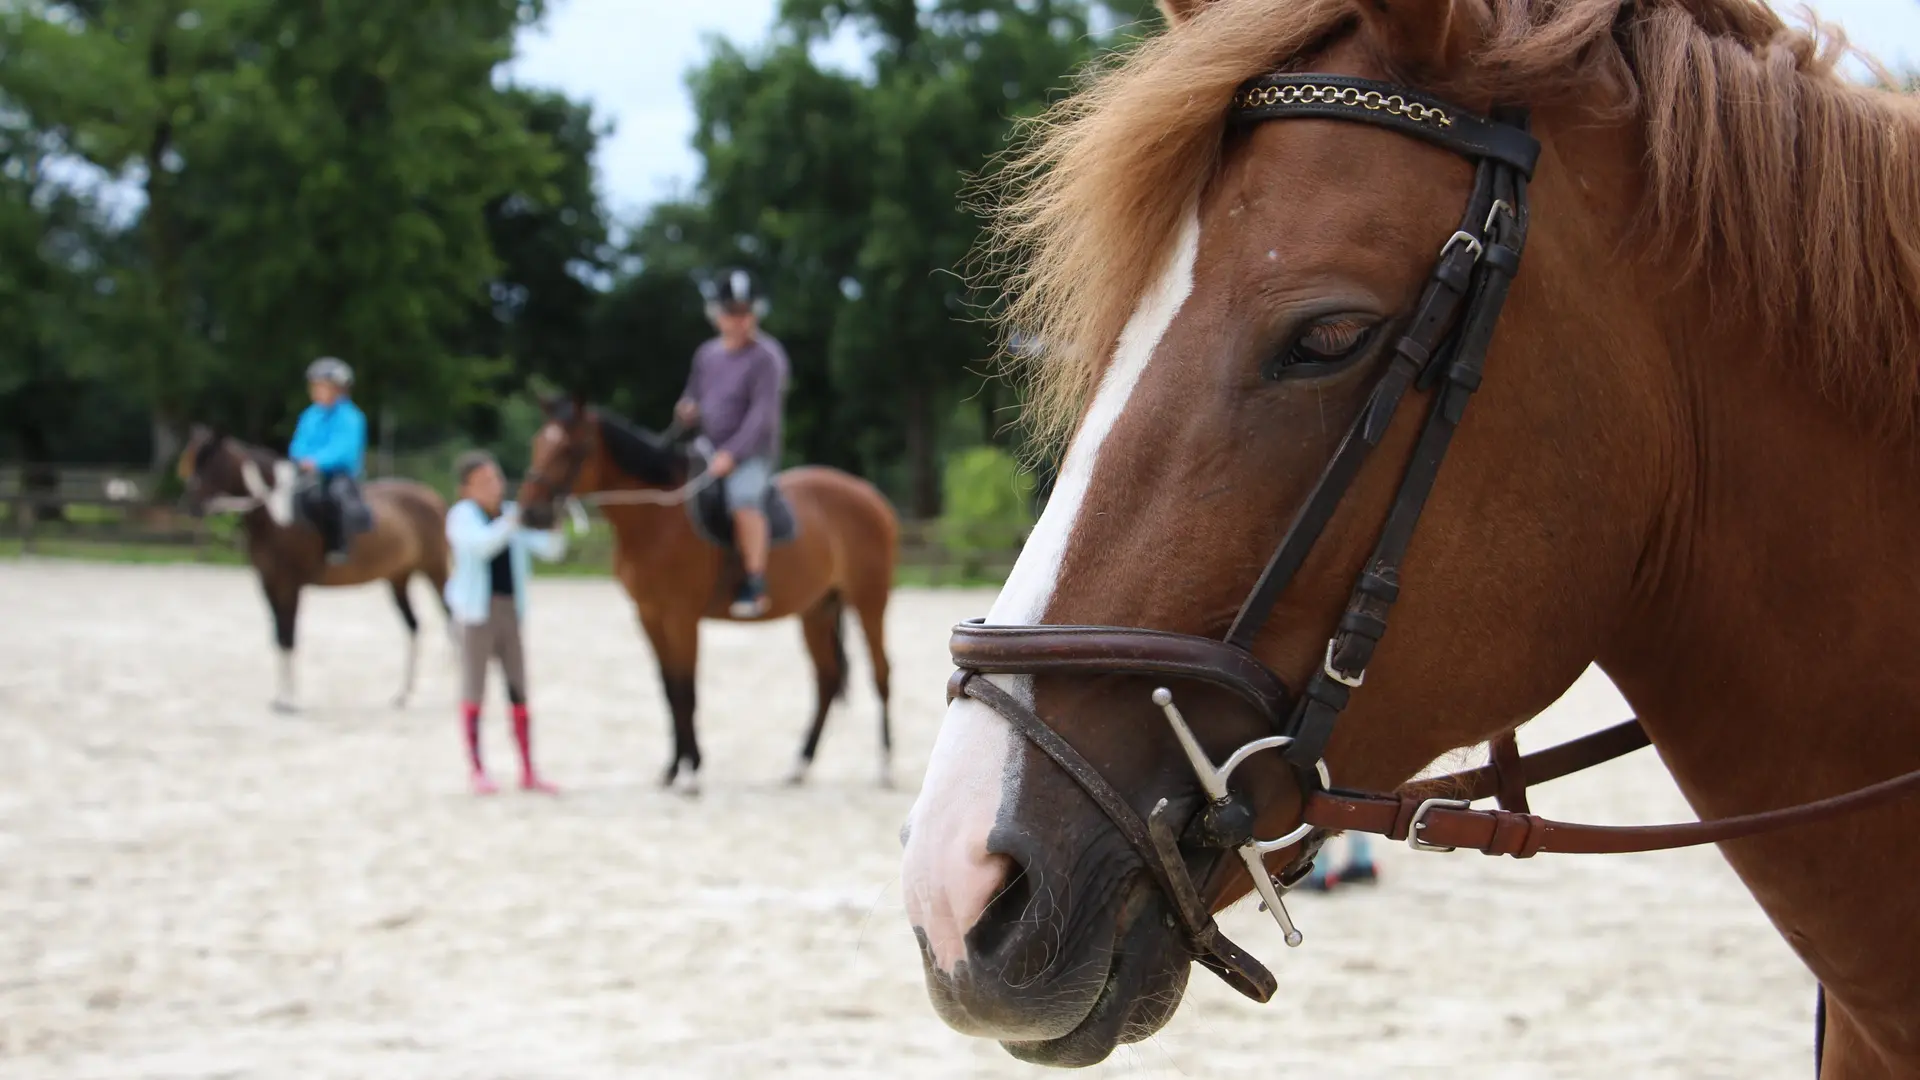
x=284, y=707
x=798, y=776
x=885, y=782
x=400, y=702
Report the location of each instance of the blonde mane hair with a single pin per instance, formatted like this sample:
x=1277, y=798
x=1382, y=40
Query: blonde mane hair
x=1797, y=190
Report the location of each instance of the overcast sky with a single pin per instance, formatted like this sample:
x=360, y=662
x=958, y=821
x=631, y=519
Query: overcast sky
x=628, y=57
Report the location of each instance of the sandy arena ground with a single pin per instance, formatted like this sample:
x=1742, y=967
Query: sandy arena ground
x=192, y=886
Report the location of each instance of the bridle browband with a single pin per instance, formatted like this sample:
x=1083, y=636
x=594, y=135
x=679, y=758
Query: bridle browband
x=1443, y=350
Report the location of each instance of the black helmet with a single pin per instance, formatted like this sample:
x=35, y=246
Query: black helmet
x=735, y=288
x=331, y=369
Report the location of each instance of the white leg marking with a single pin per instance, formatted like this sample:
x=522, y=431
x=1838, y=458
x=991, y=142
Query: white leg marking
x=283, y=700
x=406, y=680
x=948, y=876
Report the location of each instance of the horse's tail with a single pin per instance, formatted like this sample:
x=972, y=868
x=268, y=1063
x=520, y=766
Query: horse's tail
x=837, y=604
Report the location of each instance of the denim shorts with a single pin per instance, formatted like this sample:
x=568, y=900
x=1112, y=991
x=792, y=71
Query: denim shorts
x=746, y=486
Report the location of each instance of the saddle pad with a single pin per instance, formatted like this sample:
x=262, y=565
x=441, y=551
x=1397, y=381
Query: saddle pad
x=708, y=511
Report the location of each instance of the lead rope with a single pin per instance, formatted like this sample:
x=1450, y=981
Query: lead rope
x=699, y=482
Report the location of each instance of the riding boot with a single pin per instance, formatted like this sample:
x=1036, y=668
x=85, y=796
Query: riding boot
x=523, y=737
x=470, y=717
x=751, y=601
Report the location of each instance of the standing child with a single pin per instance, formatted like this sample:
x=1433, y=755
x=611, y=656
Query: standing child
x=486, y=595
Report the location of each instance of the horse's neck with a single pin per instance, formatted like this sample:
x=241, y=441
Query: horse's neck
x=1774, y=654
x=1777, y=620
x=646, y=533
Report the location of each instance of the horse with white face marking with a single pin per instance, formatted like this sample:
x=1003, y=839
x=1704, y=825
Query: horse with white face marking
x=409, y=537
x=1247, y=251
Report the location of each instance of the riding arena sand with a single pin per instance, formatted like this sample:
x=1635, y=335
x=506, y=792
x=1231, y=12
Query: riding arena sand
x=192, y=886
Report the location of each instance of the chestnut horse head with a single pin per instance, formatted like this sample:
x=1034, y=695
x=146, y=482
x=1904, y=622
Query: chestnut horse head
x=1230, y=277
x=581, y=449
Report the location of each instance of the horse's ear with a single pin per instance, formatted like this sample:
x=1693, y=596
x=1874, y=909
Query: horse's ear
x=580, y=407
x=1179, y=11
x=1423, y=37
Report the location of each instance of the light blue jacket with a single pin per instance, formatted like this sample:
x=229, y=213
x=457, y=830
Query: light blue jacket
x=333, y=436
x=475, y=541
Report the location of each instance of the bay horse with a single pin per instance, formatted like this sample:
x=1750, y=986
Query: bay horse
x=408, y=538
x=841, y=556
x=1692, y=462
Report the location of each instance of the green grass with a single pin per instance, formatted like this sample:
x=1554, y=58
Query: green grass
x=214, y=553
x=116, y=551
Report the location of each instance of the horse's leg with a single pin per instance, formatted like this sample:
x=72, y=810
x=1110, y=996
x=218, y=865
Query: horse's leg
x=826, y=646
x=873, y=626
x=284, y=600
x=436, y=573
x=676, y=643
x=401, y=601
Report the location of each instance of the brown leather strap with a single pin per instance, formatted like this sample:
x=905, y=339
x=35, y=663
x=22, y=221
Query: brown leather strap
x=1499, y=832
x=1114, y=650
x=1509, y=771
x=1536, y=768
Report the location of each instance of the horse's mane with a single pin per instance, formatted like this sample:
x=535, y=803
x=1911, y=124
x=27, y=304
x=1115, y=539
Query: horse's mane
x=638, y=452
x=1798, y=190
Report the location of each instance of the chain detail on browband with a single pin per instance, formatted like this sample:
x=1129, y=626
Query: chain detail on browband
x=1298, y=93
x=1344, y=97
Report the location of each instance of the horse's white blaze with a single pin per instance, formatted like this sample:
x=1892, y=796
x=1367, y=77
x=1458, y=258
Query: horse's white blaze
x=948, y=876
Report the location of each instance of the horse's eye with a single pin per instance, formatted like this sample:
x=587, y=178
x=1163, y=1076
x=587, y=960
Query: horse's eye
x=1323, y=347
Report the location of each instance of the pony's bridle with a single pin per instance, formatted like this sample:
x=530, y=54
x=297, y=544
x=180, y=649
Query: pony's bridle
x=1443, y=349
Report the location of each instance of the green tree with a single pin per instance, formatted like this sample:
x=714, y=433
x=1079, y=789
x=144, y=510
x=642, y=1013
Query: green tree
x=844, y=191
x=315, y=179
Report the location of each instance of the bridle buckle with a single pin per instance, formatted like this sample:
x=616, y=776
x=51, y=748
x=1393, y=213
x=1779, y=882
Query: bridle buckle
x=1420, y=820
x=1327, y=669
x=1473, y=243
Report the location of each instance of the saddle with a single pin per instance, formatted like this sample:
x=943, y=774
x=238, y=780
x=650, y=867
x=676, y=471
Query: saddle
x=335, y=507
x=708, y=512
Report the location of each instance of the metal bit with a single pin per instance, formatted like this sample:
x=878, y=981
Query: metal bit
x=1213, y=780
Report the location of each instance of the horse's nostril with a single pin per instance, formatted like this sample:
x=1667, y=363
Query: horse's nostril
x=1010, y=909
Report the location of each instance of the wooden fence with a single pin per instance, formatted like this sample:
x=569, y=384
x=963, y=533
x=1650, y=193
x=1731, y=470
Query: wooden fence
x=114, y=504
x=77, y=505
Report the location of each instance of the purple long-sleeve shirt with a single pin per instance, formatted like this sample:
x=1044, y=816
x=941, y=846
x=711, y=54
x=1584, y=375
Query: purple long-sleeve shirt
x=739, y=395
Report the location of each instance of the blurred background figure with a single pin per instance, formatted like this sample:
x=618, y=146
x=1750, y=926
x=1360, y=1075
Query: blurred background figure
x=487, y=597
x=1358, y=870
x=330, y=444
x=734, y=394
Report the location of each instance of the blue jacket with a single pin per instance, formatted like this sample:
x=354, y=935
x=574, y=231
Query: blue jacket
x=333, y=436
x=475, y=541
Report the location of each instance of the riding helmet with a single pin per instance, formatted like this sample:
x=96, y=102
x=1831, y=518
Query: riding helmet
x=331, y=369
x=735, y=288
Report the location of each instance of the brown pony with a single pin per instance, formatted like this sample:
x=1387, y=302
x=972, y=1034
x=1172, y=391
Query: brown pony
x=842, y=555
x=1692, y=461
x=409, y=536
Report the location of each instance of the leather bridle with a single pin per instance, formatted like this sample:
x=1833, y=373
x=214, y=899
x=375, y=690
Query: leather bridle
x=1443, y=350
